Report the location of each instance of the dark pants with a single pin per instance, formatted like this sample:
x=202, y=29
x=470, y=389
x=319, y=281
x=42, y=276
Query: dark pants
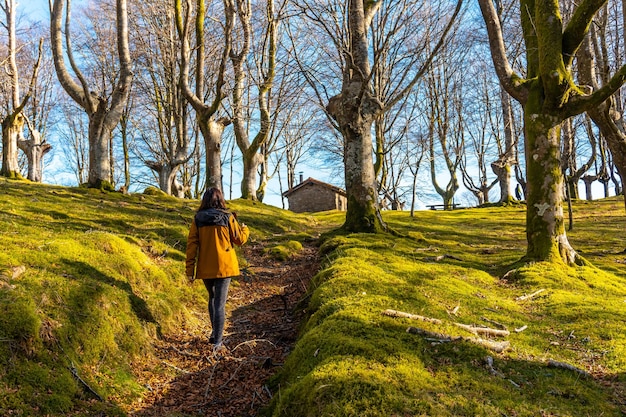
x=218, y=292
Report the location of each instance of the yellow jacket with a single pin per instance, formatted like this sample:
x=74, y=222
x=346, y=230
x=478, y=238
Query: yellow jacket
x=210, y=244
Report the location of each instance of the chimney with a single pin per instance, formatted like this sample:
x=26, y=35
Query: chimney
x=301, y=176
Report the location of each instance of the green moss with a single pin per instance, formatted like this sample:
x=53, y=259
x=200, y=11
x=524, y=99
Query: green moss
x=352, y=360
x=19, y=322
x=284, y=251
x=154, y=191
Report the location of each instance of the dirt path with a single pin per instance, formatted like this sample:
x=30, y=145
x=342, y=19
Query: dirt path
x=263, y=314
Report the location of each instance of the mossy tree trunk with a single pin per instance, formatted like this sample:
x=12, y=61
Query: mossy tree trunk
x=355, y=110
x=549, y=96
x=545, y=227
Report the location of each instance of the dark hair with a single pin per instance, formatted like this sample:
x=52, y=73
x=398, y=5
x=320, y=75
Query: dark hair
x=213, y=198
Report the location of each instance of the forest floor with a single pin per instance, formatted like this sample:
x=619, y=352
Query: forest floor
x=264, y=311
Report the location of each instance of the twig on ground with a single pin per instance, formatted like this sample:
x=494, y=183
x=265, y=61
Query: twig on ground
x=401, y=314
x=495, y=323
x=232, y=376
x=495, y=346
x=529, y=296
x=440, y=258
x=483, y=330
x=208, y=385
x=253, y=341
x=492, y=370
x=556, y=364
x=455, y=310
x=521, y=329
x=176, y=368
x=82, y=381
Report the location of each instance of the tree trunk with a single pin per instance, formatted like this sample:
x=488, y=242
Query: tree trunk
x=35, y=150
x=355, y=116
x=99, y=164
x=589, y=180
x=212, y=131
x=166, y=173
x=502, y=167
x=545, y=227
x=12, y=127
x=103, y=114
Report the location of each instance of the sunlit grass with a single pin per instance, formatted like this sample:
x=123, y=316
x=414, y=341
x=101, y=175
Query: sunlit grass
x=351, y=360
x=100, y=276
x=90, y=279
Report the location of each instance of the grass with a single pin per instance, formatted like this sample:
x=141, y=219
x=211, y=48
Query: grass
x=88, y=280
x=353, y=361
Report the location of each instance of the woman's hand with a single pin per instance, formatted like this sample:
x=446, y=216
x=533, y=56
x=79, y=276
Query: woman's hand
x=190, y=279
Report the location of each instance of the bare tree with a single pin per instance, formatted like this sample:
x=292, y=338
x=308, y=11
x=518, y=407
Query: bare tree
x=356, y=108
x=267, y=71
x=74, y=140
x=446, y=127
x=104, y=112
x=211, y=126
x=608, y=115
x=13, y=123
x=549, y=96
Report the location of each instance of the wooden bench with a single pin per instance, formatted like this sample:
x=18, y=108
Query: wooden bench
x=443, y=207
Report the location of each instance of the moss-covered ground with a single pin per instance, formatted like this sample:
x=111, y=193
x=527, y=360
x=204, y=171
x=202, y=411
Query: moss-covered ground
x=89, y=279
x=351, y=360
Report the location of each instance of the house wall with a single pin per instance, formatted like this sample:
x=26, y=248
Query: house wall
x=314, y=197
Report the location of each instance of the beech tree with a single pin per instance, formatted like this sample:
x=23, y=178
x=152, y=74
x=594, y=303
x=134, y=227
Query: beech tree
x=593, y=64
x=549, y=95
x=266, y=67
x=211, y=126
x=445, y=128
x=15, y=120
x=356, y=107
x=104, y=109
x=483, y=125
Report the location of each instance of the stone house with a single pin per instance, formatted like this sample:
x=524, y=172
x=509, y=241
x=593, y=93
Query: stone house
x=312, y=195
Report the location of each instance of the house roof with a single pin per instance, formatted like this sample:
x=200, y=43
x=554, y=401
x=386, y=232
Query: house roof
x=311, y=181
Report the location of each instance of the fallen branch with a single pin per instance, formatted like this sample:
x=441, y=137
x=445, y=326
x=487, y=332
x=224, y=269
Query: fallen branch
x=440, y=258
x=556, y=364
x=529, y=296
x=176, y=368
x=521, y=329
x=495, y=323
x=401, y=314
x=483, y=330
x=497, y=347
x=252, y=342
x=82, y=381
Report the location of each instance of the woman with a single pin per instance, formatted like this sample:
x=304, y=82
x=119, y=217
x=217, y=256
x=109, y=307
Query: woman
x=211, y=255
